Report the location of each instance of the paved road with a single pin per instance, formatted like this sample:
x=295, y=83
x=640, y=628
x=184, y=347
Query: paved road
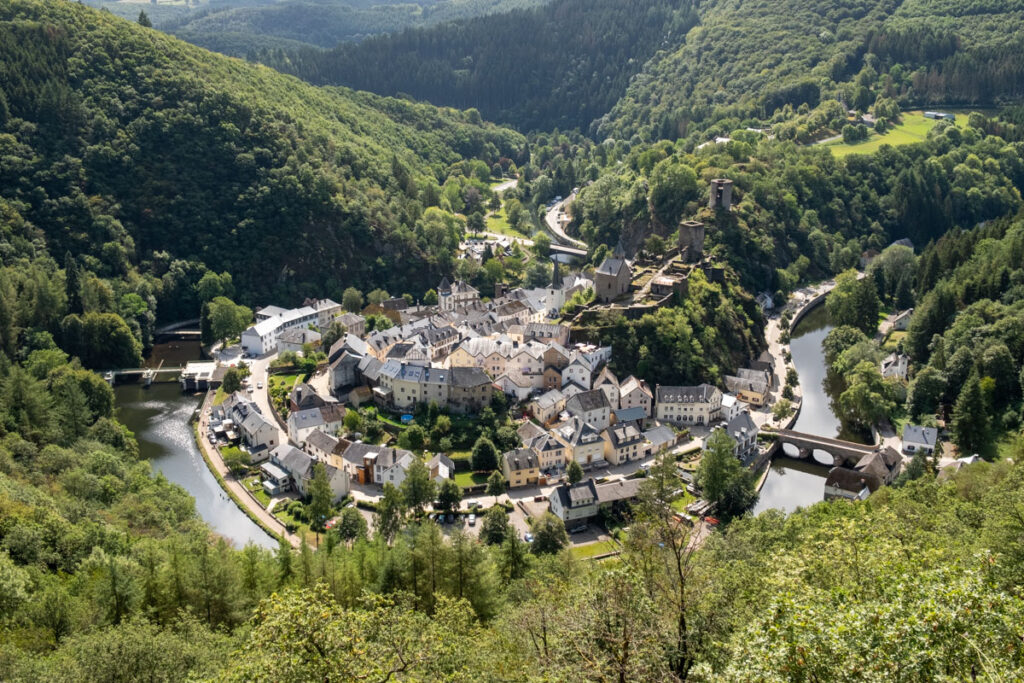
x=235, y=486
x=552, y=220
x=507, y=185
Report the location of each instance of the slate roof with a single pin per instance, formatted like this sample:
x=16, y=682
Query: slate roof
x=623, y=489
x=586, y=401
x=702, y=393
x=521, y=459
x=920, y=435
x=611, y=266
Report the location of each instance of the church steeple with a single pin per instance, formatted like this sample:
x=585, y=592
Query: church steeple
x=556, y=278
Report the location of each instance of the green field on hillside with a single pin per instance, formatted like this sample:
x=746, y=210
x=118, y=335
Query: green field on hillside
x=913, y=128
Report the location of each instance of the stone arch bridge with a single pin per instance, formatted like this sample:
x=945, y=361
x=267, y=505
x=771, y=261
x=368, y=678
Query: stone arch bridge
x=843, y=453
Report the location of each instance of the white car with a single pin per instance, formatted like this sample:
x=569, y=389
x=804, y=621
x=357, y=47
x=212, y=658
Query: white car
x=259, y=385
x=472, y=520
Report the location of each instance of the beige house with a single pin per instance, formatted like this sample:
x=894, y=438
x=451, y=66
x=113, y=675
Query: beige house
x=521, y=467
x=634, y=393
x=623, y=443
x=699, y=405
x=612, y=279
x=547, y=406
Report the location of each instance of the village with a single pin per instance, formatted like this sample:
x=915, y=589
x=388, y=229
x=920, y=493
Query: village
x=578, y=438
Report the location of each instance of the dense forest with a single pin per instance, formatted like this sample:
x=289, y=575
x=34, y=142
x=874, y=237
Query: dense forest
x=756, y=61
x=294, y=24
x=151, y=161
x=690, y=70
x=560, y=65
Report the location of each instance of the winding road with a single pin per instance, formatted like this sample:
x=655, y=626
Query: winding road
x=555, y=218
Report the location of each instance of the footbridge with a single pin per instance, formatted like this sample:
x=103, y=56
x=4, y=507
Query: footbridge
x=843, y=453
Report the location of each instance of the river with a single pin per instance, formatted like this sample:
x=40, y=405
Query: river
x=794, y=483
x=159, y=416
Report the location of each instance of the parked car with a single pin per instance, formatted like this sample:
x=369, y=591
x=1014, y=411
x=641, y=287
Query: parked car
x=528, y=537
x=472, y=519
x=451, y=518
x=259, y=385
x=539, y=499
x=579, y=528
x=432, y=516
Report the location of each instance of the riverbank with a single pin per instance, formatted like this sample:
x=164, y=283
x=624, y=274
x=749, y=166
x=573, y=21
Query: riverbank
x=242, y=497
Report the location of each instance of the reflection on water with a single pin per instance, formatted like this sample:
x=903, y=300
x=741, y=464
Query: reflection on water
x=159, y=416
x=794, y=483
x=791, y=484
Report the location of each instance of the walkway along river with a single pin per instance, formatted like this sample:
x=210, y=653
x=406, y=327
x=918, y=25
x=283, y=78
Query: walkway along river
x=159, y=416
x=792, y=483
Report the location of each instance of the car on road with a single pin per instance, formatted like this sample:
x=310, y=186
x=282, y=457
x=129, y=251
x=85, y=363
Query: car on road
x=259, y=385
x=472, y=519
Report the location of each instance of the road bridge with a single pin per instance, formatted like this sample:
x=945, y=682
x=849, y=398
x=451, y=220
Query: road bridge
x=843, y=453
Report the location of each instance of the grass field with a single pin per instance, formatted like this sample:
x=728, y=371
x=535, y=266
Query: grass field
x=498, y=223
x=892, y=340
x=913, y=128
x=467, y=479
x=582, y=552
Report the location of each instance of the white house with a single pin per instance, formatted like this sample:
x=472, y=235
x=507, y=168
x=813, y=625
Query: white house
x=303, y=422
x=895, y=366
x=261, y=338
x=917, y=439
x=592, y=407
x=300, y=465
x=731, y=407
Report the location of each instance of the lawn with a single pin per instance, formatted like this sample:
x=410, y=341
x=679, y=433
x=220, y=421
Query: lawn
x=584, y=552
x=256, y=487
x=892, y=340
x=498, y=223
x=274, y=381
x=680, y=503
x=219, y=397
x=468, y=479
x=913, y=128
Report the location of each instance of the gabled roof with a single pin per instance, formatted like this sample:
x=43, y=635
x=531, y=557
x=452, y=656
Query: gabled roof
x=920, y=435
x=549, y=399
x=740, y=426
x=386, y=457
x=441, y=466
x=586, y=401
x=323, y=441
x=612, y=267
x=521, y=459
x=631, y=384
x=624, y=434
x=297, y=463
x=577, y=495
x=304, y=419
x=613, y=491
x=305, y=396
x=630, y=414
x=468, y=377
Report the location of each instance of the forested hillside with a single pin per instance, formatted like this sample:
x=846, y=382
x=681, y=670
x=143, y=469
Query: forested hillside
x=750, y=58
x=321, y=23
x=559, y=65
x=150, y=161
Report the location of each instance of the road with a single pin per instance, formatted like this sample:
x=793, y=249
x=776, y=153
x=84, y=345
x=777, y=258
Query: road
x=552, y=220
x=238, y=490
x=506, y=185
